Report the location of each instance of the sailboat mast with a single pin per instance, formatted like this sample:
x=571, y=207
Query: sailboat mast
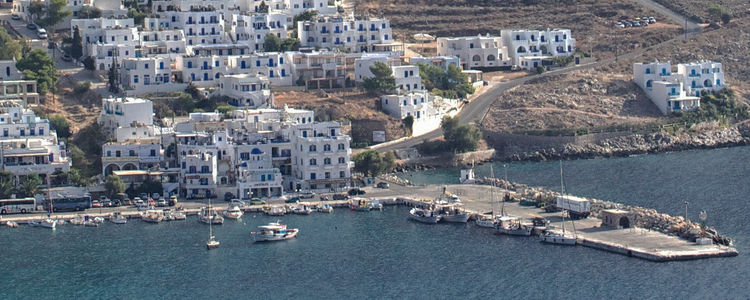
x=492, y=191
x=562, y=192
x=210, y=220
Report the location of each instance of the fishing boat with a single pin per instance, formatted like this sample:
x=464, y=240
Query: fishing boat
x=99, y=219
x=89, y=222
x=513, y=226
x=179, y=215
x=233, y=212
x=426, y=216
x=153, y=216
x=275, y=211
x=486, y=221
x=359, y=204
x=118, y=218
x=325, y=208
x=274, y=232
x=453, y=213
x=560, y=237
x=540, y=225
x=301, y=210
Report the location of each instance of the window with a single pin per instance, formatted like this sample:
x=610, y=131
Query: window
x=326, y=147
x=313, y=162
x=342, y=174
x=328, y=175
x=153, y=152
x=131, y=153
x=313, y=148
x=326, y=161
x=145, y=66
x=117, y=153
x=109, y=153
x=312, y=176
x=204, y=169
x=342, y=160
x=341, y=146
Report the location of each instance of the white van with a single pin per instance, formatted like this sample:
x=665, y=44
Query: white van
x=42, y=33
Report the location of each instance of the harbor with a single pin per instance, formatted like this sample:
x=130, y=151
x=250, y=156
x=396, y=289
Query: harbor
x=476, y=200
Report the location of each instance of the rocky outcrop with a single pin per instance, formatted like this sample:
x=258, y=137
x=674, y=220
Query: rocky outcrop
x=643, y=217
x=640, y=144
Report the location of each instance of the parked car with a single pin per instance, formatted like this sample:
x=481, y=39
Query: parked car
x=355, y=192
x=96, y=203
x=340, y=197
x=137, y=200
x=257, y=201
x=325, y=197
x=307, y=195
x=292, y=200
x=126, y=201
x=636, y=24
x=108, y=203
x=238, y=202
x=172, y=200
x=15, y=17
x=31, y=26
x=619, y=25
x=383, y=185
x=651, y=20
x=41, y=33
x=103, y=198
x=627, y=24
x=151, y=202
x=162, y=202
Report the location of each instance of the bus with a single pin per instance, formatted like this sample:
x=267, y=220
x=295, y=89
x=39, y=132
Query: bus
x=76, y=203
x=15, y=206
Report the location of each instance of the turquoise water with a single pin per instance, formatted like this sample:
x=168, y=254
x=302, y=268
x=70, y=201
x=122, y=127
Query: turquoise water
x=383, y=255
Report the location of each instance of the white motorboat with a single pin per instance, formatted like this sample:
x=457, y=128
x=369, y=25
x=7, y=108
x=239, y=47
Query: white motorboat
x=90, y=223
x=118, y=218
x=32, y=223
x=276, y=211
x=11, y=224
x=233, y=212
x=513, y=226
x=60, y=222
x=424, y=215
x=274, y=232
x=301, y=210
x=153, y=216
x=376, y=205
x=48, y=223
x=77, y=220
x=99, y=219
x=559, y=238
x=179, y=215
x=325, y=208
x=453, y=213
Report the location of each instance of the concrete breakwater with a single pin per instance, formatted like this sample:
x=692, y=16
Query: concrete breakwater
x=643, y=217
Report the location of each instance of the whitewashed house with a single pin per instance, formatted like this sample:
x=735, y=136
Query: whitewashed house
x=277, y=67
x=125, y=112
x=362, y=64
x=252, y=29
x=530, y=49
x=147, y=75
x=666, y=90
x=407, y=78
x=475, y=51
x=201, y=27
x=702, y=76
x=426, y=109
x=245, y=90
x=320, y=157
x=346, y=33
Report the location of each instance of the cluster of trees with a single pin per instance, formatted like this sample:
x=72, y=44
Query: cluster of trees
x=718, y=13
x=10, y=48
x=372, y=163
x=27, y=187
x=113, y=186
x=37, y=65
x=721, y=106
x=457, y=138
x=48, y=15
x=275, y=44
x=382, y=82
x=451, y=83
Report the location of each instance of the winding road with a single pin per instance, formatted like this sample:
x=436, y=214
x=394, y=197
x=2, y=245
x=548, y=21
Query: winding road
x=475, y=110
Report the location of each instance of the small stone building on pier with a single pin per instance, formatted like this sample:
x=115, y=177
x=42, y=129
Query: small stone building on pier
x=616, y=218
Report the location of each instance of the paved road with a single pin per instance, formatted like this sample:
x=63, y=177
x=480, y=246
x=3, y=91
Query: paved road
x=477, y=108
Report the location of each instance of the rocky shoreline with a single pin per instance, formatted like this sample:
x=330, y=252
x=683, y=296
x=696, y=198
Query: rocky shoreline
x=643, y=217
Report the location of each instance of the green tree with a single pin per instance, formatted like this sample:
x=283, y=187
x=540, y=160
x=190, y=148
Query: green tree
x=290, y=44
x=138, y=16
x=10, y=48
x=382, y=82
x=113, y=80
x=76, y=48
x=29, y=185
x=90, y=12
x=372, y=163
x=76, y=178
x=716, y=13
x=37, y=65
x=60, y=125
x=450, y=83
x=56, y=13
x=36, y=9
x=409, y=124
x=89, y=63
x=540, y=69
x=272, y=43
x=459, y=138
x=263, y=8
x=307, y=15
x=114, y=186
x=6, y=184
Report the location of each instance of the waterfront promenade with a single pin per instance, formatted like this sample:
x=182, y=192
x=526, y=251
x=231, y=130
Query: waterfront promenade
x=636, y=242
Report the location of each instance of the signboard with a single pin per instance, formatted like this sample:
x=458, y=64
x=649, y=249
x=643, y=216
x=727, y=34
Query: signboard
x=378, y=136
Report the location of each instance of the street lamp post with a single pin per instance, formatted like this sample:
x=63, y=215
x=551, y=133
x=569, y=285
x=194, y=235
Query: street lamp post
x=686, y=210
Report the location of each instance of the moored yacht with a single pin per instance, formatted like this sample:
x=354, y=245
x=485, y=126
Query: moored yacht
x=153, y=216
x=453, y=213
x=513, y=226
x=118, y=218
x=486, y=221
x=274, y=232
x=302, y=210
x=233, y=212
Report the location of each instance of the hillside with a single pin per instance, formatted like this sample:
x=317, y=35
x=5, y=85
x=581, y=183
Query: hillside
x=590, y=20
x=698, y=9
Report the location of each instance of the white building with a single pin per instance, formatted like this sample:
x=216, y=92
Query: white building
x=277, y=67
x=203, y=71
x=346, y=33
x=319, y=69
x=9, y=70
x=320, y=155
x=475, y=51
x=105, y=31
x=252, y=29
x=362, y=64
x=198, y=175
x=426, y=109
x=665, y=89
x=141, y=73
x=141, y=154
x=407, y=78
x=245, y=90
x=200, y=27
x=125, y=112
x=702, y=76
x=542, y=45
x=167, y=42
x=28, y=145
x=256, y=175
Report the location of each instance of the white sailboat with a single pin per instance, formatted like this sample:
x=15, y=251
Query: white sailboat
x=484, y=221
x=212, y=242
x=48, y=222
x=560, y=238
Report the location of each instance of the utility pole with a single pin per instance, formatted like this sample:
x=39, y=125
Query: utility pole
x=686, y=210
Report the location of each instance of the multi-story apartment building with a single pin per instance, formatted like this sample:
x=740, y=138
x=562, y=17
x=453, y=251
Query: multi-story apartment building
x=323, y=69
x=198, y=175
x=665, y=89
x=702, y=76
x=105, y=31
x=277, y=67
x=245, y=90
x=346, y=33
x=256, y=175
x=141, y=154
x=138, y=73
x=201, y=26
x=475, y=51
x=28, y=145
x=203, y=71
x=320, y=157
x=168, y=42
x=530, y=48
x=252, y=29
x=125, y=112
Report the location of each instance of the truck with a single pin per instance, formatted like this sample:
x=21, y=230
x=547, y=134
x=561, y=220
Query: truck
x=577, y=207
